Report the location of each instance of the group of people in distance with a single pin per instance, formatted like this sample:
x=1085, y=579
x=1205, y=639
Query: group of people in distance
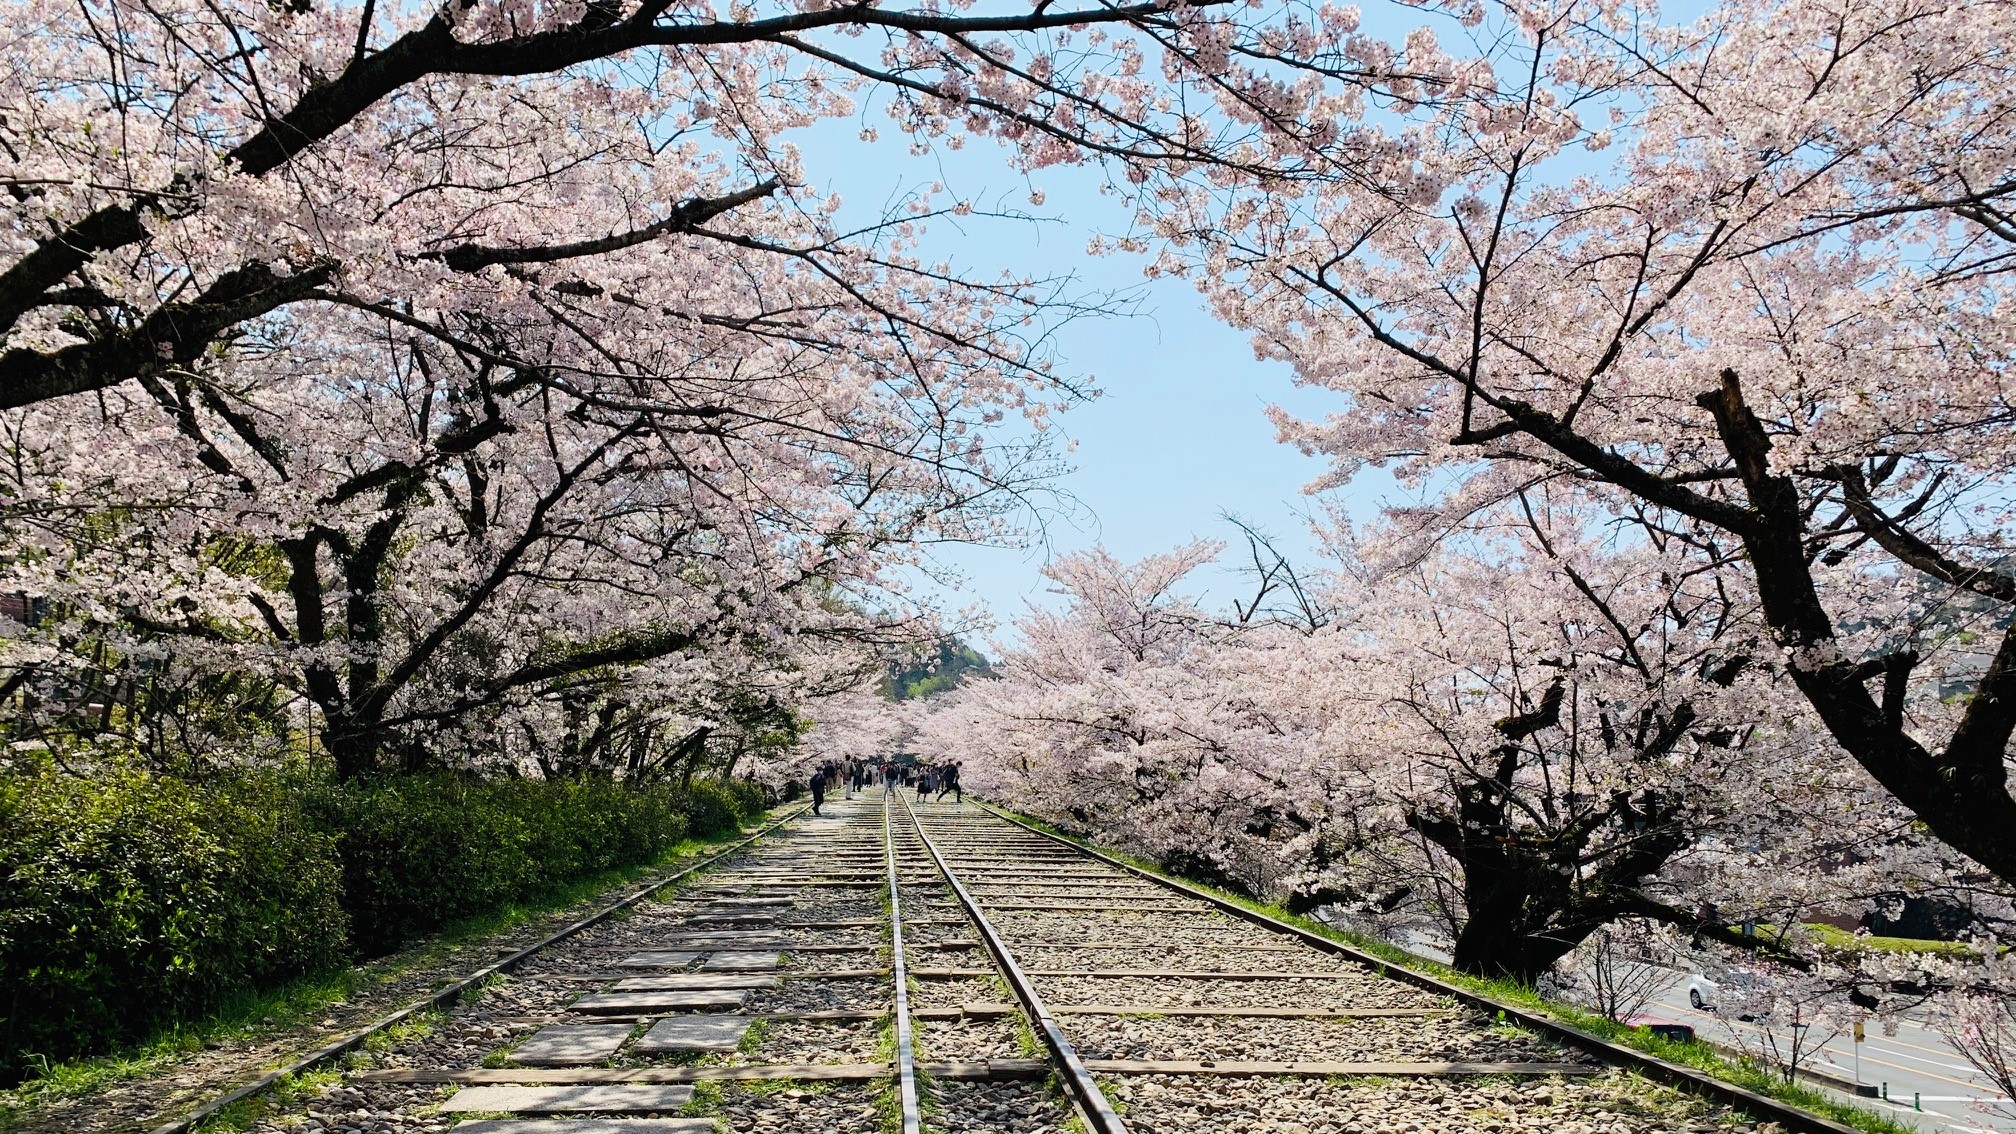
x=859, y=775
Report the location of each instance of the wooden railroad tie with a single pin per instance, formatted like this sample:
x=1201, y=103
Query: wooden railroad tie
x=990, y=1011
x=822, y=1015
x=1260, y=1013
x=1068, y=883
x=907, y=923
x=784, y=974
x=1138, y=946
x=993, y=1069
x=1152, y=974
x=1326, y=1070
x=814, y=883
x=770, y=945
x=1048, y=896
x=1064, y=907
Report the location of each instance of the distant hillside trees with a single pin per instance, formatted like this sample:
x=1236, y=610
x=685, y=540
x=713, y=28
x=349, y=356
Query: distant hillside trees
x=940, y=669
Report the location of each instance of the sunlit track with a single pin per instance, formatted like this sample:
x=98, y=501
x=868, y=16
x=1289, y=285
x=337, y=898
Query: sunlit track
x=1179, y=1014
x=931, y=968
x=771, y=993
x=252, y=1093
x=906, y=1055
x=1077, y=1080
x=763, y=994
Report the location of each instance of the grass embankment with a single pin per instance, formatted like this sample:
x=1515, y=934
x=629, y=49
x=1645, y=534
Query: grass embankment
x=303, y=1004
x=1847, y=941
x=1697, y=1055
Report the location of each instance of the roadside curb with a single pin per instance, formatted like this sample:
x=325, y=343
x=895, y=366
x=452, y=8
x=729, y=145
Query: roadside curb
x=1806, y=1075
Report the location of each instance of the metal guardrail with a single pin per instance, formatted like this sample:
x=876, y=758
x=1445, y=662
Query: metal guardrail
x=1076, y=1078
x=1651, y=1066
x=448, y=994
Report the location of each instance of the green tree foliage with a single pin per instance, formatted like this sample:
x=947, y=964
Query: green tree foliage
x=939, y=670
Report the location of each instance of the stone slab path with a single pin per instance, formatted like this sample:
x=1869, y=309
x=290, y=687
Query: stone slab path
x=739, y=962
x=611, y=1003
x=733, y=940
x=556, y=1100
x=587, y=1126
x=571, y=1045
x=694, y=1033
x=689, y=982
x=659, y=958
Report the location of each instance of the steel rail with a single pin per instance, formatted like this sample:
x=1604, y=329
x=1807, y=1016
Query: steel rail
x=1093, y=1108
x=449, y=994
x=1673, y=1074
x=906, y=1052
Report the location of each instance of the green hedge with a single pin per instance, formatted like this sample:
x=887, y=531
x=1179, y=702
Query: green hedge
x=720, y=807
x=747, y=797
x=129, y=901
x=418, y=852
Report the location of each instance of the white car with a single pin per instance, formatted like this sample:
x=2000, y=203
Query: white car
x=1734, y=995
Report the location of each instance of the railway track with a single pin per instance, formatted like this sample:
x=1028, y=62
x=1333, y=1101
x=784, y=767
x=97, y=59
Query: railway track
x=911, y=967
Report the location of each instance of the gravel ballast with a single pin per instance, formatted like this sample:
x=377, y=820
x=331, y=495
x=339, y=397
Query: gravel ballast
x=1614, y=1103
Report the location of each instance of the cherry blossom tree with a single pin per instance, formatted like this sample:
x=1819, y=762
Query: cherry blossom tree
x=1618, y=971
x=856, y=724
x=406, y=531
x=1559, y=731
x=1134, y=714
x=427, y=363
x=1792, y=1017
x=1981, y=1026
x=178, y=175
x=723, y=713
x=611, y=595
x=1556, y=733
x=1741, y=282
x=1512, y=741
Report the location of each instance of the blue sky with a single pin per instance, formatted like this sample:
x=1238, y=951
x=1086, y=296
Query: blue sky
x=1179, y=437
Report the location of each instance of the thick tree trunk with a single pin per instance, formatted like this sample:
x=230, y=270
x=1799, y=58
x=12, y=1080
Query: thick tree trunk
x=356, y=746
x=1519, y=910
x=1962, y=793
x=1509, y=948
x=1530, y=895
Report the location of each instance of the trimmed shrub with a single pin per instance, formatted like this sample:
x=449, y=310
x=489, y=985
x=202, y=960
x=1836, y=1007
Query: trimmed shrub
x=128, y=901
x=711, y=809
x=421, y=851
x=748, y=798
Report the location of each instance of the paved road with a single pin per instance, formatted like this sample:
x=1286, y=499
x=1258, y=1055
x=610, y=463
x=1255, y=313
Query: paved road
x=1917, y=1060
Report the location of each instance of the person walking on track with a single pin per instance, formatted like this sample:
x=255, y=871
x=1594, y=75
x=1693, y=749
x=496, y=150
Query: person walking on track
x=819, y=790
x=948, y=780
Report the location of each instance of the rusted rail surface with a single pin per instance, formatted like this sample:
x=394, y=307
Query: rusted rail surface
x=1072, y=1074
